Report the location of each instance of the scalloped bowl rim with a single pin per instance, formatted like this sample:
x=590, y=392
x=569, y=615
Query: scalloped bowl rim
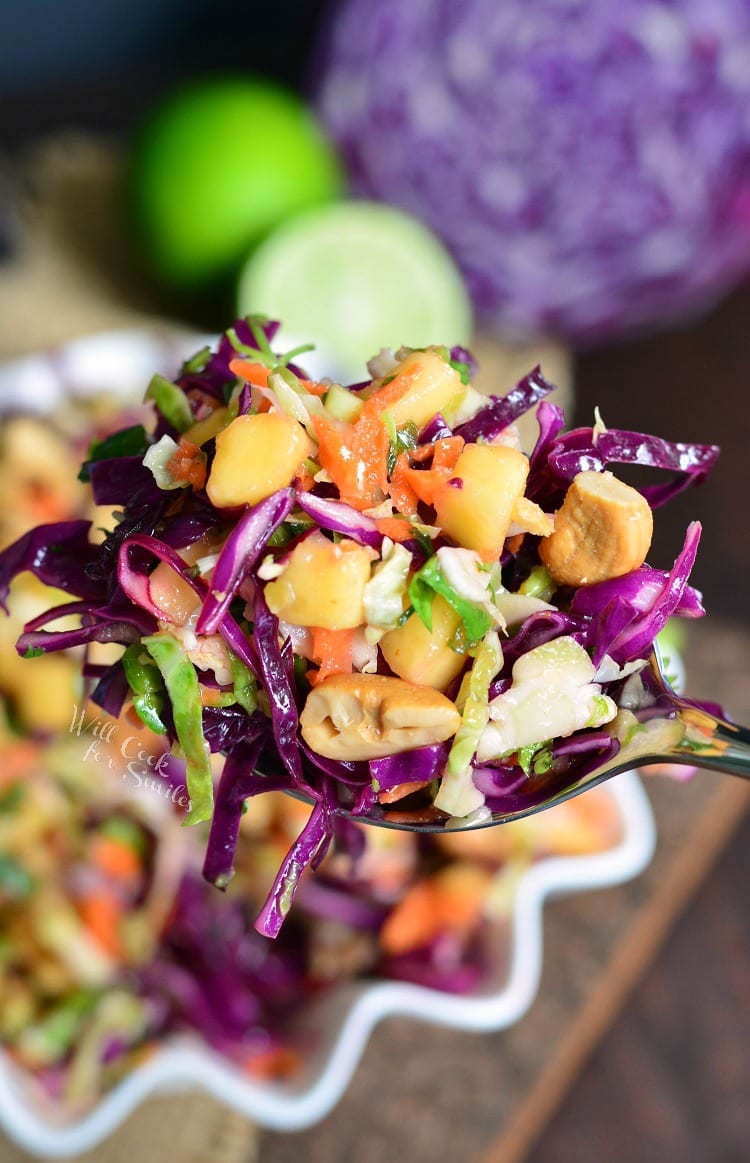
x=184, y=1063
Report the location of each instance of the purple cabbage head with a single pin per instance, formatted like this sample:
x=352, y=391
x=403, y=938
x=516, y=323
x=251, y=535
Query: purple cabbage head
x=587, y=164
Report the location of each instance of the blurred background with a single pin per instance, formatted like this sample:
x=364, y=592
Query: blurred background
x=564, y=182
x=586, y=168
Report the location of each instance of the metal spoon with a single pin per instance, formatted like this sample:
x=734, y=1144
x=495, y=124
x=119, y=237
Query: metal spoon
x=677, y=731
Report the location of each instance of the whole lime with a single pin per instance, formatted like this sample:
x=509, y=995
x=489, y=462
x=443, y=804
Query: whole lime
x=216, y=167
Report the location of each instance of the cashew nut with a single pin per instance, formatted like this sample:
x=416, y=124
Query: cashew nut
x=603, y=530
x=368, y=716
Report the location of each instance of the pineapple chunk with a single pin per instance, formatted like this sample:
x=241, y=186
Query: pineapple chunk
x=45, y=700
x=478, y=513
x=42, y=691
x=323, y=584
x=172, y=594
x=422, y=656
x=432, y=384
x=255, y=456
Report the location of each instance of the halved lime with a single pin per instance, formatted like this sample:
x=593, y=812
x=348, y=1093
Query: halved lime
x=355, y=277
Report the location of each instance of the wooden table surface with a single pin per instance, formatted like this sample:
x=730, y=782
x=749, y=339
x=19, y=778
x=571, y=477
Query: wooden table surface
x=671, y=1079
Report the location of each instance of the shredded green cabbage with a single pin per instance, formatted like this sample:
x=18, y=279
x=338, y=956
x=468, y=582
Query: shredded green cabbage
x=457, y=795
x=383, y=596
x=184, y=692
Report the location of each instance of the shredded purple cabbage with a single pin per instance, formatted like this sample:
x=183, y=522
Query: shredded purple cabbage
x=340, y=518
x=237, y=783
x=239, y=555
x=504, y=410
x=311, y=845
x=57, y=555
x=419, y=766
x=277, y=671
x=579, y=450
x=636, y=640
x=119, y=479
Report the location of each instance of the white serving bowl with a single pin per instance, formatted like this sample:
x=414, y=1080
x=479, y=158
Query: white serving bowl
x=341, y=1023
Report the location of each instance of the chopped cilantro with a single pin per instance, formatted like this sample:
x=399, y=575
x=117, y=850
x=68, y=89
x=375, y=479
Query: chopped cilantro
x=197, y=362
x=695, y=745
x=428, y=582
x=401, y=439
x=286, y=532
x=537, y=757
x=171, y=402
x=462, y=368
x=261, y=352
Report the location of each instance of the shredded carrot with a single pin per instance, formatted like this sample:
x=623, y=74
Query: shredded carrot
x=424, y=483
x=372, y=445
x=462, y=891
x=115, y=859
x=381, y=400
x=188, y=464
x=409, y=485
x=355, y=456
x=400, y=790
x=101, y=913
x=402, y=493
x=252, y=373
x=210, y=697
x=414, y=920
x=335, y=455
x=451, y=899
x=447, y=451
x=304, y=480
x=420, y=454
x=394, y=528
x=258, y=373
x=443, y=453
x=513, y=544
x=43, y=503
x=315, y=389
x=17, y=760
x=333, y=650
x=276, y=1062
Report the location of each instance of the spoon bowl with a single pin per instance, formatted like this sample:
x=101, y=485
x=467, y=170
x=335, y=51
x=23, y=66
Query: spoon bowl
x=669, y=729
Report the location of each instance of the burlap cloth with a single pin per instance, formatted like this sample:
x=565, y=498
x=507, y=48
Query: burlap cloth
x=421, y=1094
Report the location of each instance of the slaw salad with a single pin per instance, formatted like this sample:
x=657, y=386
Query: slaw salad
x=365, y=595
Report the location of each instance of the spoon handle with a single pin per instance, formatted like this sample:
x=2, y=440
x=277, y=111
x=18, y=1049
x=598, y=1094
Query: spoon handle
x=713, y=742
